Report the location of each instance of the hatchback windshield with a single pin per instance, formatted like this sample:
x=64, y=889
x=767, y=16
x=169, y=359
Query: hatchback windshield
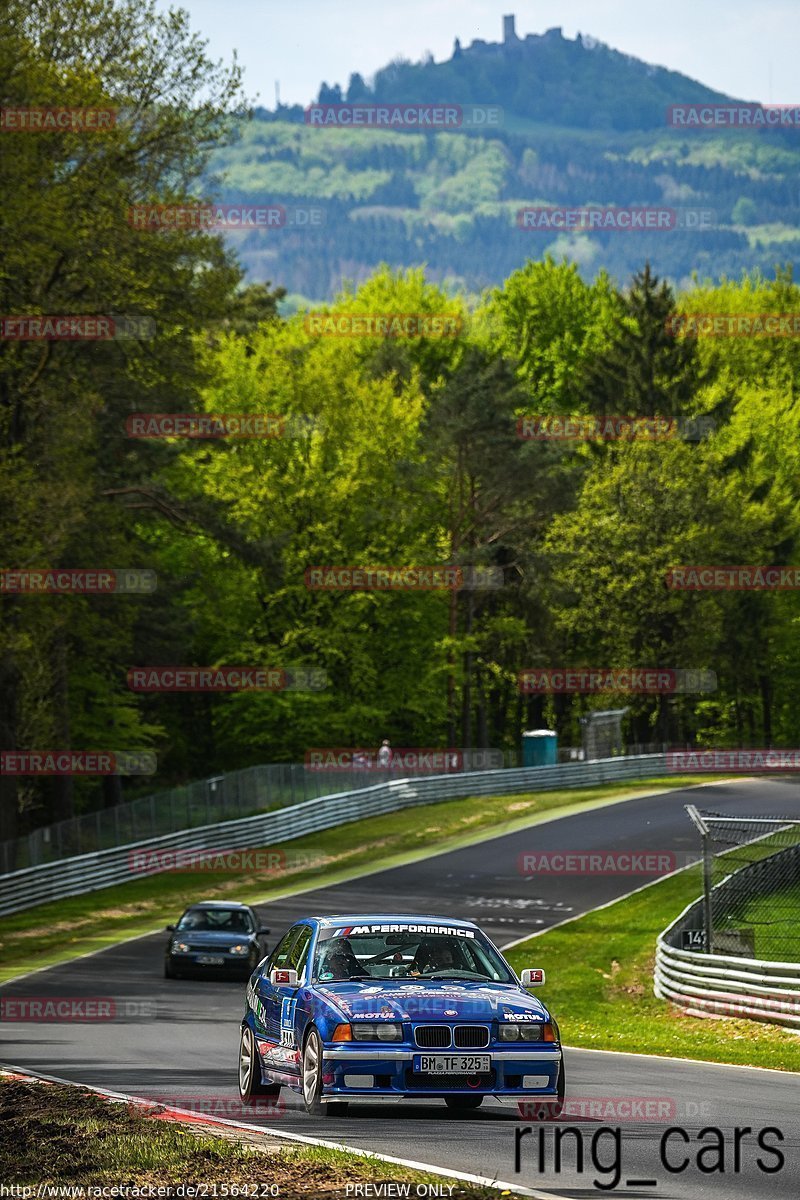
x=209, y=920
x=407, y=952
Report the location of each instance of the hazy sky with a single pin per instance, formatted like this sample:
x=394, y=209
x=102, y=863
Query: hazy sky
x=746, y=48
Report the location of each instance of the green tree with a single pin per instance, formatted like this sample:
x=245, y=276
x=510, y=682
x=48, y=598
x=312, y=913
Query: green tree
x=68, y=248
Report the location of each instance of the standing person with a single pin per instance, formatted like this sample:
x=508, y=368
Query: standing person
x=385, y=754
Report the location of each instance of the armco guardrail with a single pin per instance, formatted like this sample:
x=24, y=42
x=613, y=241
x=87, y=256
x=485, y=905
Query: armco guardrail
x=228, y=797
x=708, y=985
x=729, y=985
x=90, y=872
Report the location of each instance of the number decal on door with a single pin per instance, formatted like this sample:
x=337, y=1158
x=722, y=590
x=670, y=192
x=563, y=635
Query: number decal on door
x=287, y=1021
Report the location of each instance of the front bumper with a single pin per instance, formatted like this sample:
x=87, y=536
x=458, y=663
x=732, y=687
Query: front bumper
x=233, y=963
x=348, y=1071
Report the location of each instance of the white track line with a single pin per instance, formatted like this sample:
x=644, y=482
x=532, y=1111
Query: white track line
x=617, y=899
x=697, y=1062
x=123, y=1097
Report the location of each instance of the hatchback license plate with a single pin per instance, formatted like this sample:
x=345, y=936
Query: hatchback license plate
x=452, y=1064
x=211, y=960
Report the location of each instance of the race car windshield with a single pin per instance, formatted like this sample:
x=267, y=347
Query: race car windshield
x=224, y=920
x=411, y=952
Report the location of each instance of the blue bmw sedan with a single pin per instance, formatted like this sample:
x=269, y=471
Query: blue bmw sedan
x=406, y=1006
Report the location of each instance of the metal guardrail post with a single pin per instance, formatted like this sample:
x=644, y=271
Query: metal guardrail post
x=702, y=827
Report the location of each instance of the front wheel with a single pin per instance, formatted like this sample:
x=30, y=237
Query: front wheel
x=250, y=1085
x=463, y=1102
x=312, y=1081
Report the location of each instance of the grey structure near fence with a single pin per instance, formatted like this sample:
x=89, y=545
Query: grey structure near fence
x=728, y=981
x=103, y=868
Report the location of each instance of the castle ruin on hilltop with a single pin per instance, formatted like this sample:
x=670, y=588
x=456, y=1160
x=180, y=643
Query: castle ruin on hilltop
x=510, y=40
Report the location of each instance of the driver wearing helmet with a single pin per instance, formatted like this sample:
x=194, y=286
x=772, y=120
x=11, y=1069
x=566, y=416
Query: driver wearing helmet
x=339, y=961
x=433, y=954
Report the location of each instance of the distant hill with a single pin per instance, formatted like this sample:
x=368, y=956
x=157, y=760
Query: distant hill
x=581, y=124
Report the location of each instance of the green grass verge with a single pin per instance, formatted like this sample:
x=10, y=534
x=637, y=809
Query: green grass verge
x=56, y=932
x=775, y=921
x=600, y=984
x=52, y=1134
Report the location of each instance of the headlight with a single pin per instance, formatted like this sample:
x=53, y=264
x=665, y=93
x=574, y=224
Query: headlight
x=377, y=1031
x=239, y=948
x=181, y=948
x=509, y=1033
x=531, y=1033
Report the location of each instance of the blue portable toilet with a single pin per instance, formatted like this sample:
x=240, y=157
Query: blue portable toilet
x=539, y=748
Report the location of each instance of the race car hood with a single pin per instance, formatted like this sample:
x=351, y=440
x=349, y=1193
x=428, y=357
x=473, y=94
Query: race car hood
x=212, y=938
x=434, y=1000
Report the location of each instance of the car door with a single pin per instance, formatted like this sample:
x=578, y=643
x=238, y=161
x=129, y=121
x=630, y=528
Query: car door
x=270, y=996
x=297, y=959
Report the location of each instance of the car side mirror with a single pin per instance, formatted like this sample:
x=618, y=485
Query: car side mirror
x=261, y=931
x=534, y=977
x=283, y=977
x=170, y=928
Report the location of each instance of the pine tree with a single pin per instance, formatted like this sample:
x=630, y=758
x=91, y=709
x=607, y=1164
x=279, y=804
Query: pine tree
x=646, y=371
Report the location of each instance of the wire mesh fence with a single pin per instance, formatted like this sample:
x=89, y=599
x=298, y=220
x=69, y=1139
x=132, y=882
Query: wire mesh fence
x=751, y=887
x=242, y=793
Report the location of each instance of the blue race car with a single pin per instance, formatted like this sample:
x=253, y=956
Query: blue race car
x=365, y=1006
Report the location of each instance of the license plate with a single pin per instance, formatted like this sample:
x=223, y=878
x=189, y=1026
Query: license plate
x=211, y=960
x=452, y=1064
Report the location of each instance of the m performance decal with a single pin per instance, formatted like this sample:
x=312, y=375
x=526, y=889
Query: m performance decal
x=366, y=929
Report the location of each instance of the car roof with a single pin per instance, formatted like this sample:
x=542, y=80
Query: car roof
x=336, y=922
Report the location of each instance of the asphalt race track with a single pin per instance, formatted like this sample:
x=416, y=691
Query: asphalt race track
x=179, y=1039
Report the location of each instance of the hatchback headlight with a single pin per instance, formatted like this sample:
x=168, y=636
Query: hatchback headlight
x=377, y=1031
x=509, y=1033
x=181, y=948
x=240, y=948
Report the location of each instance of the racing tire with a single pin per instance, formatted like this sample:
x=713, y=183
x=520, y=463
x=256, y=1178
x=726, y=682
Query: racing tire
x=463, y=1102
x=312, y=1081
x=250, y=1085
x=545, y=1110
